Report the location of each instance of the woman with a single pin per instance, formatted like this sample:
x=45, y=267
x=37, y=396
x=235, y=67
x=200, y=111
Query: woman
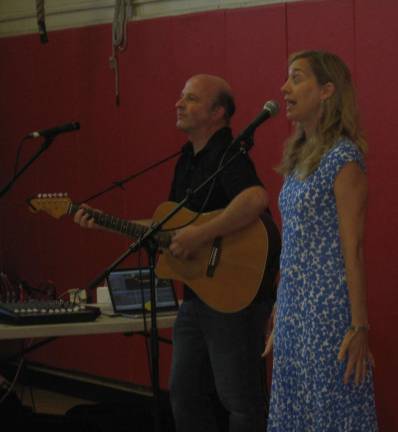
x=322, y=377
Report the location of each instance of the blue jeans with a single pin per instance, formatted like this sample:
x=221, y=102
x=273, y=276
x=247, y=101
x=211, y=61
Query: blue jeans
x=218, y=353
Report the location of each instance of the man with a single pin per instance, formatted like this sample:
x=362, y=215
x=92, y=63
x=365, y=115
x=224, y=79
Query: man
x=214, y=352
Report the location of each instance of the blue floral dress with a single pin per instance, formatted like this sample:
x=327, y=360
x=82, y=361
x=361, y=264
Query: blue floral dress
x=313, y=311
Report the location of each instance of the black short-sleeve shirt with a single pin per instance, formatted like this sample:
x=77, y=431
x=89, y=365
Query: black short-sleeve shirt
x=191, y=170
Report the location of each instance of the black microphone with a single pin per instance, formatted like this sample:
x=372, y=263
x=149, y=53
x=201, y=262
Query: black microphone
x=67, y=127
x=270, y=109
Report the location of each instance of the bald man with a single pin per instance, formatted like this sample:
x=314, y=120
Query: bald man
x=214, y=352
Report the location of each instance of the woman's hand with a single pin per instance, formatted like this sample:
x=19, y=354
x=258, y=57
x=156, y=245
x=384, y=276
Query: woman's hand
x=355, y=347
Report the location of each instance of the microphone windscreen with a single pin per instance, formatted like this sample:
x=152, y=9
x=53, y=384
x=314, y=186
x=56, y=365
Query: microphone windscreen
x=272, y=107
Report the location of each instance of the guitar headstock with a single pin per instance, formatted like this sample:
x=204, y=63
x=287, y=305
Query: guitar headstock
x=54, y=204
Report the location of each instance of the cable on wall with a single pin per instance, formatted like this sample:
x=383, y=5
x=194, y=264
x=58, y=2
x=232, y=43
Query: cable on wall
x=123, y=11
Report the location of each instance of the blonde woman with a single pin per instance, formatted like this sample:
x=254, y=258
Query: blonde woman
x=322, y=375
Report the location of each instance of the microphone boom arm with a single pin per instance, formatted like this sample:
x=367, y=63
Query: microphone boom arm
x=47, y=141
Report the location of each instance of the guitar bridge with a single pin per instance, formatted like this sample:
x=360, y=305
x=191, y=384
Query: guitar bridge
x=214, y=257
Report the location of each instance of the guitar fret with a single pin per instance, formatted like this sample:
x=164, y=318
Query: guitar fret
x=137, y=231
x=102, y=219
x=125, y=227
x=72, y=208
x=129, y=229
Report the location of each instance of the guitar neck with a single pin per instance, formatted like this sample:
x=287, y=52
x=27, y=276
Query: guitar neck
x=123, y=226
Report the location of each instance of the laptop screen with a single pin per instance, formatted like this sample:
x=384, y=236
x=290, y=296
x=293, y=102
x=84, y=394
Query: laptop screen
x=129, y=290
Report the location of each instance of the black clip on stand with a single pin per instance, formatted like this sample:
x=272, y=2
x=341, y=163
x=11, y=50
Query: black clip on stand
x=47, y=141
x=148, y=241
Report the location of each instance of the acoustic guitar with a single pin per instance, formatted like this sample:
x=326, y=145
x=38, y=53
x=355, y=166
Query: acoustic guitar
x=226, y=273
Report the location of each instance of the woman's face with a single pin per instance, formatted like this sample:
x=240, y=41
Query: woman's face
x=303, y=95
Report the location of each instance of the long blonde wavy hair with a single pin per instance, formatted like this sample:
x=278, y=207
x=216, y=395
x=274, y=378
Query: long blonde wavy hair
x=339, y=116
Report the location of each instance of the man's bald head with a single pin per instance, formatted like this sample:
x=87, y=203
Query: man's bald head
x=219, y=92
x=205, y=106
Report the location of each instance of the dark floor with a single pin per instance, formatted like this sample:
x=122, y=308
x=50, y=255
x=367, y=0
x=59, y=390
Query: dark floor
x=28, y=406
x=47, y=402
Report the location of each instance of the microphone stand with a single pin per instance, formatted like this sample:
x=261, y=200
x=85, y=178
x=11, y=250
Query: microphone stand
x=120, y=183
x=148, y=241
x=48, y=139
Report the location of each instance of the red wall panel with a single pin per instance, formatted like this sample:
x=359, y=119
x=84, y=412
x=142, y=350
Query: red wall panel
x=377, y=63
x=256, y=65
x=69, y=79
x=327, y=25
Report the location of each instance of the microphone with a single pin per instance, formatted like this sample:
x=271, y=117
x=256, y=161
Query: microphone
x=270, y=109
x=67, y=127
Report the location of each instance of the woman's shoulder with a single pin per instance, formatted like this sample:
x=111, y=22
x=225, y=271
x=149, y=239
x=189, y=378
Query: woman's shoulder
x=343, y=152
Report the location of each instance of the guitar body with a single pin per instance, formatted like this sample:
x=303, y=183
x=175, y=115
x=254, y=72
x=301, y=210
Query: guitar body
x=238, y=273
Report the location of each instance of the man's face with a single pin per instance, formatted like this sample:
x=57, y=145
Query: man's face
x=195, y=108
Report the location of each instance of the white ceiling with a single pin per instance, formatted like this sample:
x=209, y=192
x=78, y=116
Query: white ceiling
x=20, y=17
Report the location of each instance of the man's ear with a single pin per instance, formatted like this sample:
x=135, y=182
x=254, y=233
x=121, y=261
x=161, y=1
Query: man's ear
x=328, y=90
x=218, y=112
